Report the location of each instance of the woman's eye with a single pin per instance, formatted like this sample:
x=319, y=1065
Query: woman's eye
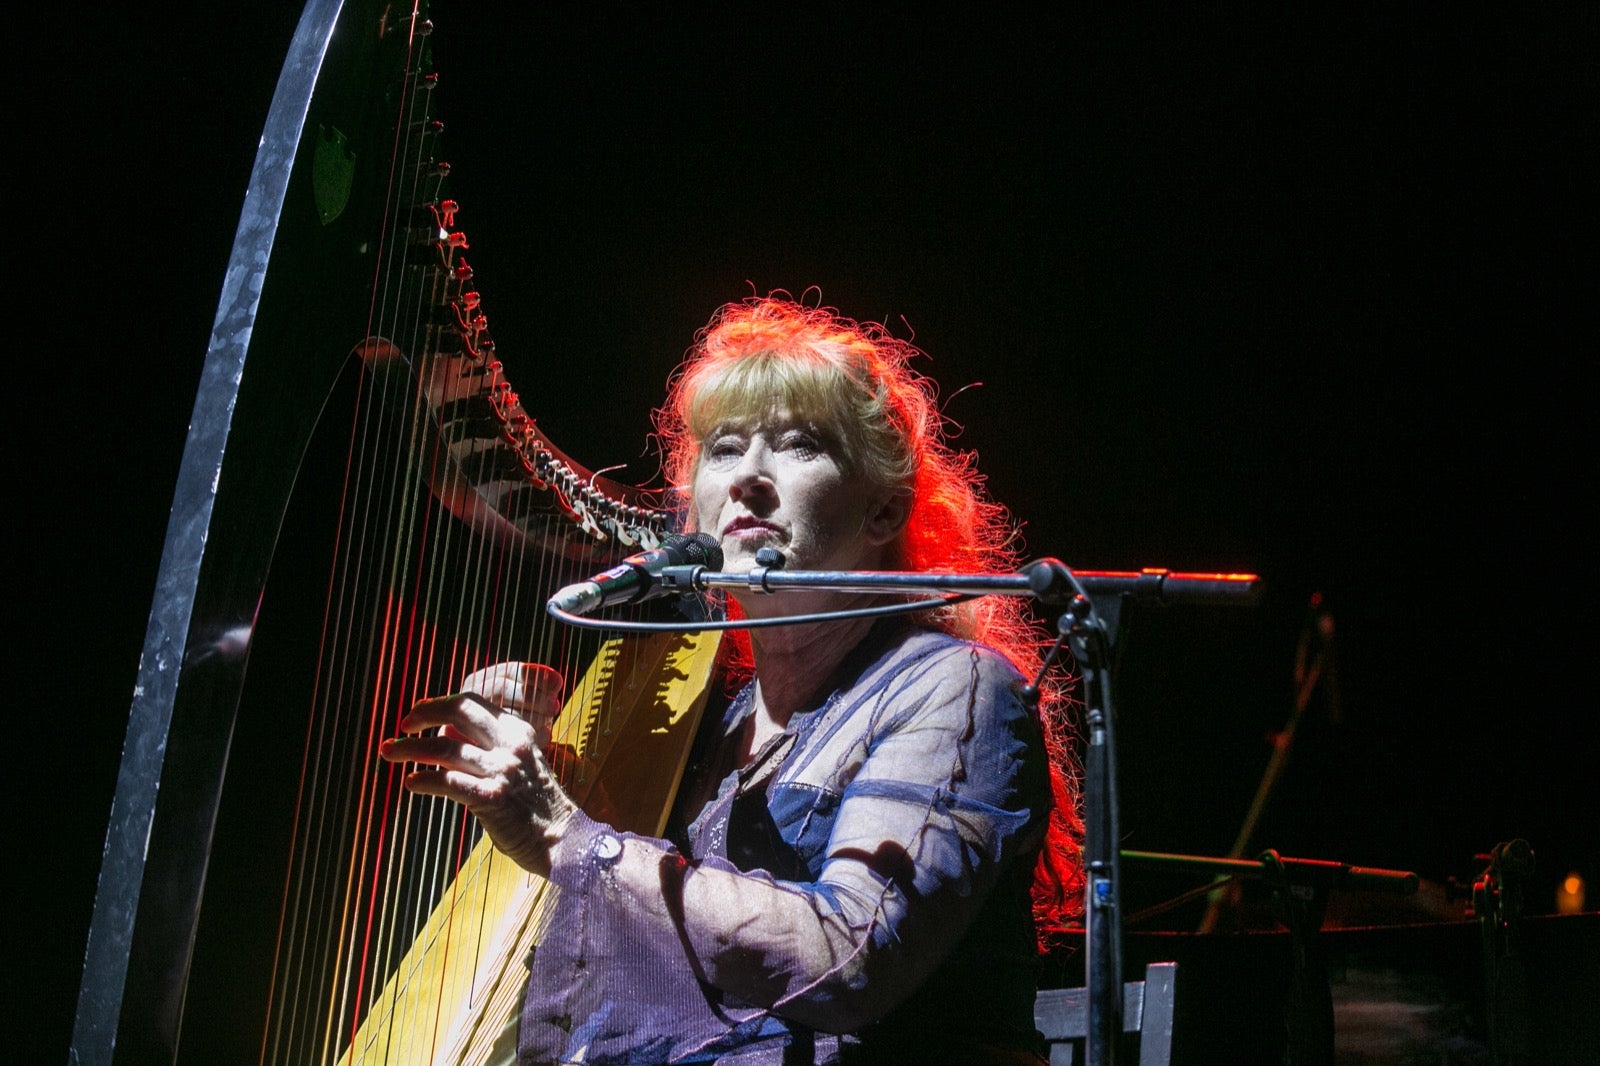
x=724, y=449
x=802, y=444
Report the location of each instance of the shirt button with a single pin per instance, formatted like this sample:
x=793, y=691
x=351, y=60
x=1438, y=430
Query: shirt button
x=606, y=849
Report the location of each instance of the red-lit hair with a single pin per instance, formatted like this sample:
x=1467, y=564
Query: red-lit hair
x=854, y=381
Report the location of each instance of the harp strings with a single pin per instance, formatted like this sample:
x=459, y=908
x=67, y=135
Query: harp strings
x=419, y=596
x=413, y=604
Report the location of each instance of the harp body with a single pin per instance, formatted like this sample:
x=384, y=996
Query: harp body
x=349, y=279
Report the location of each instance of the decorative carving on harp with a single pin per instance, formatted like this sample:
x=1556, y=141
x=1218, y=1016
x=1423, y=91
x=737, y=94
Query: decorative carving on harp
x=267, y=889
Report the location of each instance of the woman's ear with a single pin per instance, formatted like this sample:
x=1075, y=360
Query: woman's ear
x=890, y=512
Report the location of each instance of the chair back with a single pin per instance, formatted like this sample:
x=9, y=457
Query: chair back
x=1062, y=1016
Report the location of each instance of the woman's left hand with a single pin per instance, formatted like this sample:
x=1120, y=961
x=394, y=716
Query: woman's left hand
x=489, y=760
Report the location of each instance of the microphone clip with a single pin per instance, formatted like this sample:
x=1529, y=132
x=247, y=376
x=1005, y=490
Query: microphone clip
x=767, y=560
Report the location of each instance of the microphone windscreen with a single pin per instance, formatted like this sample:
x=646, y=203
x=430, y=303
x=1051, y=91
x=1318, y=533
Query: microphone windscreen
x=698, y=549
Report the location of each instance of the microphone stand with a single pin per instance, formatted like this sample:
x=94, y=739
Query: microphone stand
x=1093, y=602
x=1047, y=580
x=1082, y=628
x=1091, y=646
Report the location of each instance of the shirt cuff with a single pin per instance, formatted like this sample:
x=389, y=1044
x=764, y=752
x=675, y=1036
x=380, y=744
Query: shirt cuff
x=587, y=848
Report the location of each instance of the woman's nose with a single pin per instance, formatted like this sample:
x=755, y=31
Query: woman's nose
x=752, y=475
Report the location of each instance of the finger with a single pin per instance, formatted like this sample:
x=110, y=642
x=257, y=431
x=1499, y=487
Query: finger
x=429, y=783
x=532, y=690
x=466, y=713
x=498, y=683
x=450, y=784
x=516, y=758
x=445, y=752
x=542, y=689
x=539, y=702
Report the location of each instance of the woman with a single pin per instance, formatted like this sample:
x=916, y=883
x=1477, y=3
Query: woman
x=878, y=827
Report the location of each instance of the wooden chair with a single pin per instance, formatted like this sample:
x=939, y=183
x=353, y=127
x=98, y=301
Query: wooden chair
x=1062, y=1015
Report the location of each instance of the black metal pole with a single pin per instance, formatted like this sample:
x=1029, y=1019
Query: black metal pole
x=1102, y=869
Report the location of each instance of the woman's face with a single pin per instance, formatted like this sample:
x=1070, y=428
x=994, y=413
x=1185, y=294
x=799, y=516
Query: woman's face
x=776, y=482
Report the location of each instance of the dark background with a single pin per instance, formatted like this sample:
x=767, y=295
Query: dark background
x=1296, y=294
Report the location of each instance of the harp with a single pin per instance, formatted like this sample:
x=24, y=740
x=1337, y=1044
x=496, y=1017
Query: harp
x=283, y=900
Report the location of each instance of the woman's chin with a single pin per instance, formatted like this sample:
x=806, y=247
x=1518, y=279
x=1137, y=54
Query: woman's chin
x=739, y=549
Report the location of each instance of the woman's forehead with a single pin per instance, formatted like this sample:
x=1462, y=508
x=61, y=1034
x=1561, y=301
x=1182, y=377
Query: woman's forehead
x=755, y=388
x=773, y=418
x=747, y=414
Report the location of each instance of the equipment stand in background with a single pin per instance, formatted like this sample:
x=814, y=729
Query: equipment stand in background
x=1300, y=891
x=1497, y=902
x=1314, y=667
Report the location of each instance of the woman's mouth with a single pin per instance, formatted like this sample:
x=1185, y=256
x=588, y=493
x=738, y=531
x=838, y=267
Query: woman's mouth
x=743, y=528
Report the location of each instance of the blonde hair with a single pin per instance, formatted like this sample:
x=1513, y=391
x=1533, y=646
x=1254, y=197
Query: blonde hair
x=852, y=381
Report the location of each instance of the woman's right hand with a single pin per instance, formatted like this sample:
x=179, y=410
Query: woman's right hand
x=484, y=748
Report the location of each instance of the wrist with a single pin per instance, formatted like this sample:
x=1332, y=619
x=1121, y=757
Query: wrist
x=570, y=838
x=557, y=829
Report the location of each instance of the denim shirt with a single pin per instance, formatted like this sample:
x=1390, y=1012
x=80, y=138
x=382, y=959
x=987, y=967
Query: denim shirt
x=863, y=883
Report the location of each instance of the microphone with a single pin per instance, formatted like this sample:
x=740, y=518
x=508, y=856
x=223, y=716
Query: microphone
x=640, y=576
